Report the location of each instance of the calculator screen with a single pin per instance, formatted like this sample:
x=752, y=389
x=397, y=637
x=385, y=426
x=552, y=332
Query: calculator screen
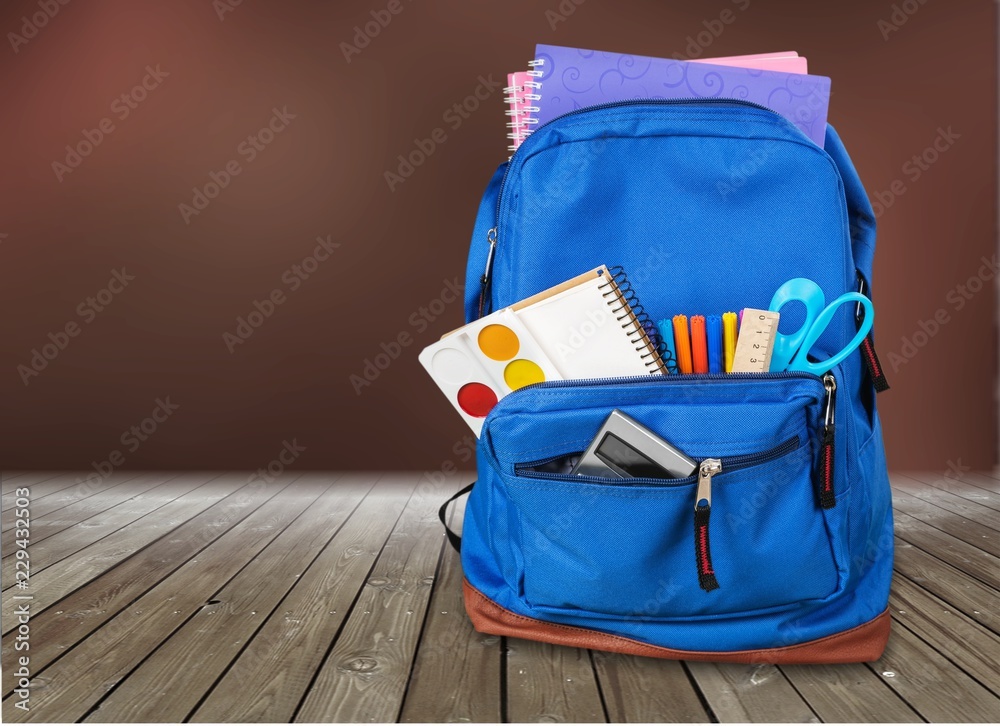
x=619, y=455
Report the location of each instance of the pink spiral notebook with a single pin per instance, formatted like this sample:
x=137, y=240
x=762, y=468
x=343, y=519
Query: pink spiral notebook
x=525, y=88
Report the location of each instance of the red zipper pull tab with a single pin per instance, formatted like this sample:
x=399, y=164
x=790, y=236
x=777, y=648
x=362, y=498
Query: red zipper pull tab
x=868, y=354
x=702, y=512
x=873, y=364
x=827, y=495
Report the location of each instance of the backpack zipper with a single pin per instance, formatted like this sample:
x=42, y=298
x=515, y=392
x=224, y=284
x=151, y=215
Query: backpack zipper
x=493, y=233
x=703, y=498
x=711, y=466
x=827, y=495
x=731, y=463
x=657, y=379
x=702, y=511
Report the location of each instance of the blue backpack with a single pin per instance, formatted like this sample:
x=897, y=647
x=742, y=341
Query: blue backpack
x=709, y=206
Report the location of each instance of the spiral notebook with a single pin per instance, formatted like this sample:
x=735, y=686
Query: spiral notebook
x=522, y=91
x=524, y=88
x=566, y=79
x=588, y=327
x=592, y=327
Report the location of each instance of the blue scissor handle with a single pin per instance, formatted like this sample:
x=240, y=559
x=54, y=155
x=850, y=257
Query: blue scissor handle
x=791, y=352
x=809, y=294
x=801, y=360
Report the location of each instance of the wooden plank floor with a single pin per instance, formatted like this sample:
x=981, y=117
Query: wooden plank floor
x=327, y=597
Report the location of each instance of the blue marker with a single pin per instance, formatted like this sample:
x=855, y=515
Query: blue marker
x=713, y=328
x=666, y=328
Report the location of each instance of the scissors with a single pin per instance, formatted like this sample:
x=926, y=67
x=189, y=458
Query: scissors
x=791, y=352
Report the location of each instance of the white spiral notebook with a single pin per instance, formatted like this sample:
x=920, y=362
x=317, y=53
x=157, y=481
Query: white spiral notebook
x=588, y=327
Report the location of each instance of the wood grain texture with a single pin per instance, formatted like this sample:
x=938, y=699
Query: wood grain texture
x=456, y=675
x=43, y=486
x=9, y=481
x=647, y=690
x=756, y=692
x=62, y=578
x=931, y=684
x=169, y=685
x=74, y=490
x=60, y=535
x=267, y=681
x=551, y=683
x=969, y=645
x=365, y=674
x=977, y=601
x=47, y=525
x=967, y=508
x=974, y=487
x=989, y=482
x=978, y=535
x=849, y=692
x=966, y=557
x=240, y=602
x=69, y=687
x=189, y=525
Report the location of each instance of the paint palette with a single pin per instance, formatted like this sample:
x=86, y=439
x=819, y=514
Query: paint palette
x=481, y=363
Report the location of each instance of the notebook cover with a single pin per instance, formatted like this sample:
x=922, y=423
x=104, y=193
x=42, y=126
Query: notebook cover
x=784, y=62
x=575, y=325
x=573, y=78
x=517, y=106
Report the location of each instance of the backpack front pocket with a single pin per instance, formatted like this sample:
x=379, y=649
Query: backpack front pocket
x=644, y=548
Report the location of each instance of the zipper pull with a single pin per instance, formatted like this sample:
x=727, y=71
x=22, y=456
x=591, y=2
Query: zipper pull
x=868, y=354
x=484, y=281
x=827, y=498
x=702, y=511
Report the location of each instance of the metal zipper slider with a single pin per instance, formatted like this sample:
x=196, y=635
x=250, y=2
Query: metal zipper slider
x=708, y=469
x=702, y=512
x=827, y=495
x=830, y=384
x=491, y=237
x=484, y=290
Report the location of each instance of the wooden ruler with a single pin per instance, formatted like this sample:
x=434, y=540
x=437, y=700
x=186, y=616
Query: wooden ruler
x=755, y=343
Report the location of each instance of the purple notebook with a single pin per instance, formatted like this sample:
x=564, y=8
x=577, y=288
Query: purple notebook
x=573, y=78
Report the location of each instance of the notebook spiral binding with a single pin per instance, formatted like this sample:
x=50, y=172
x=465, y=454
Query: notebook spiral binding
x=638, y=324
x=521, y=99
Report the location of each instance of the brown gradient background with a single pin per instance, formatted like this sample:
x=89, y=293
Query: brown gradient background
x=324, y=175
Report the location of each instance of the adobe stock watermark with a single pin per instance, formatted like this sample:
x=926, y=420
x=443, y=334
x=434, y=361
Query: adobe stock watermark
x=419, y=321
x=453, y=118
x=752, y=501
x=741, y=170
x=292, y=279
x=248, y=149
x=914, y=169
x=955, y=473
x=31, y=26
x=900, y=15
x=561, y=12
x=131, y=439
x=121, y=108
x=431, y=482
x=365, y=33
x=714, y=27
x=236, y=505
x=223, y=7
x=957, y=298
x=566, y=182
x=87, y=311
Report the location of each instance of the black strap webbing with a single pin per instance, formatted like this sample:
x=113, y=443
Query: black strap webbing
x=455, y=540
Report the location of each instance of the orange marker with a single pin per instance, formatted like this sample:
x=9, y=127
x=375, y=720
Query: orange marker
x=699, y=344
x=682, y=339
